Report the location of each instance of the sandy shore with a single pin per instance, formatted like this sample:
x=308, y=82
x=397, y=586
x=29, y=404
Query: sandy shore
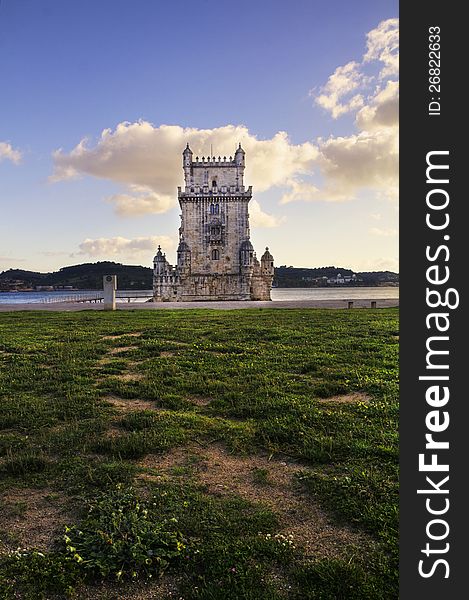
x=76, y=306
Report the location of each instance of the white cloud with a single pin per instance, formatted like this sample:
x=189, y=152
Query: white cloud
x=365, y=160
x=143, y=201
x=379, y=264
x=383, y=46
x=300, y=190
x=389, y=232
x=147, y=159
x=259, y=218
x=120, y=246
x=7, y=152
x=382, y=49
x=382, y=111
x=340, y=84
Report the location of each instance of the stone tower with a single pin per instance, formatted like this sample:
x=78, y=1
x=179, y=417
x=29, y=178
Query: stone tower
x=215, y=257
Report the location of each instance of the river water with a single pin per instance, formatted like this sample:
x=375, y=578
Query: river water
x=337, y=293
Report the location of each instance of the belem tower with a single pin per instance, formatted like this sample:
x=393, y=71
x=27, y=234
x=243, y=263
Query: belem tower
x=215, y=257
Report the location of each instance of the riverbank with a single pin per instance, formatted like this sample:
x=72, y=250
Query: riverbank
x=77, y=306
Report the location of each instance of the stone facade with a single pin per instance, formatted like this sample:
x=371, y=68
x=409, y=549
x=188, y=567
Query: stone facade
x=215, y=257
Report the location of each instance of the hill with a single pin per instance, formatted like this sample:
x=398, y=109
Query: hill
x=331, y=276
x=86, y=276
x=90, y=276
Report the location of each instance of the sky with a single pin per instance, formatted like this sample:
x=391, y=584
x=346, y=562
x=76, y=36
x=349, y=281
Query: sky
x=98, y=100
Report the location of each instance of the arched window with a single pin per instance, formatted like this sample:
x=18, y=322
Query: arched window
x=214, y=209
x=214, y=183
x=215, y=254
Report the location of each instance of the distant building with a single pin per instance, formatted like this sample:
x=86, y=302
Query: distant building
x=215, y=257
x=342, y=279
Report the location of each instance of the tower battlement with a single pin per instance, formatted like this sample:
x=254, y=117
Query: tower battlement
x=210, y=160
x=213, y=173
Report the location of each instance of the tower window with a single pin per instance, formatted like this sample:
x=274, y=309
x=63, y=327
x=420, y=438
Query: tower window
x=215, y=254
x=214, y=183
x=214, y=209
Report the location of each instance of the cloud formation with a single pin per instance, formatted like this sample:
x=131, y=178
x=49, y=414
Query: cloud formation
x=379, y=264
x=120, y=246
x=7, y=152
x=365, y=160
x=340, y=84
x=259, y=218
x=300, y=190
x=383, y=46
x=382, y=112
x=369, y=158
x=335, y=96
x=147, y=159
x=142, y=201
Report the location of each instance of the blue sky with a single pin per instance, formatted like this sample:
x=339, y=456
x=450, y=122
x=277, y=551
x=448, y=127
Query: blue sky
x=69, y=70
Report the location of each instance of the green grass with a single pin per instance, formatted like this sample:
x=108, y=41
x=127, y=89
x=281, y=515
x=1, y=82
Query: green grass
x=264, y=378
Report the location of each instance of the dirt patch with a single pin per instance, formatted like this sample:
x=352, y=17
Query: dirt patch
x=353, y=398
x=112, y=433
x=121, y=349
x=121, y=335
x=165, y=353
x=260, y=480
x=199, y=400
x=32, y=518
x=105, y=360
x=129, y=405
x=130, y=376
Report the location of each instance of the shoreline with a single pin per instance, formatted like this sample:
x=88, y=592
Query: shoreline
x=214, y=305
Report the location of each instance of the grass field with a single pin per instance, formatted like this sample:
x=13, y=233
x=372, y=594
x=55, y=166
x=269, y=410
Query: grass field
x=199, y=454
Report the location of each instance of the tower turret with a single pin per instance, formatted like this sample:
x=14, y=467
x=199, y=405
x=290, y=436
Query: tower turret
x=240, y=156
x=187, y=154
x=184, y=259
x=159, y=263
x=187, y=164
x=267, y=263
x=239, y=159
